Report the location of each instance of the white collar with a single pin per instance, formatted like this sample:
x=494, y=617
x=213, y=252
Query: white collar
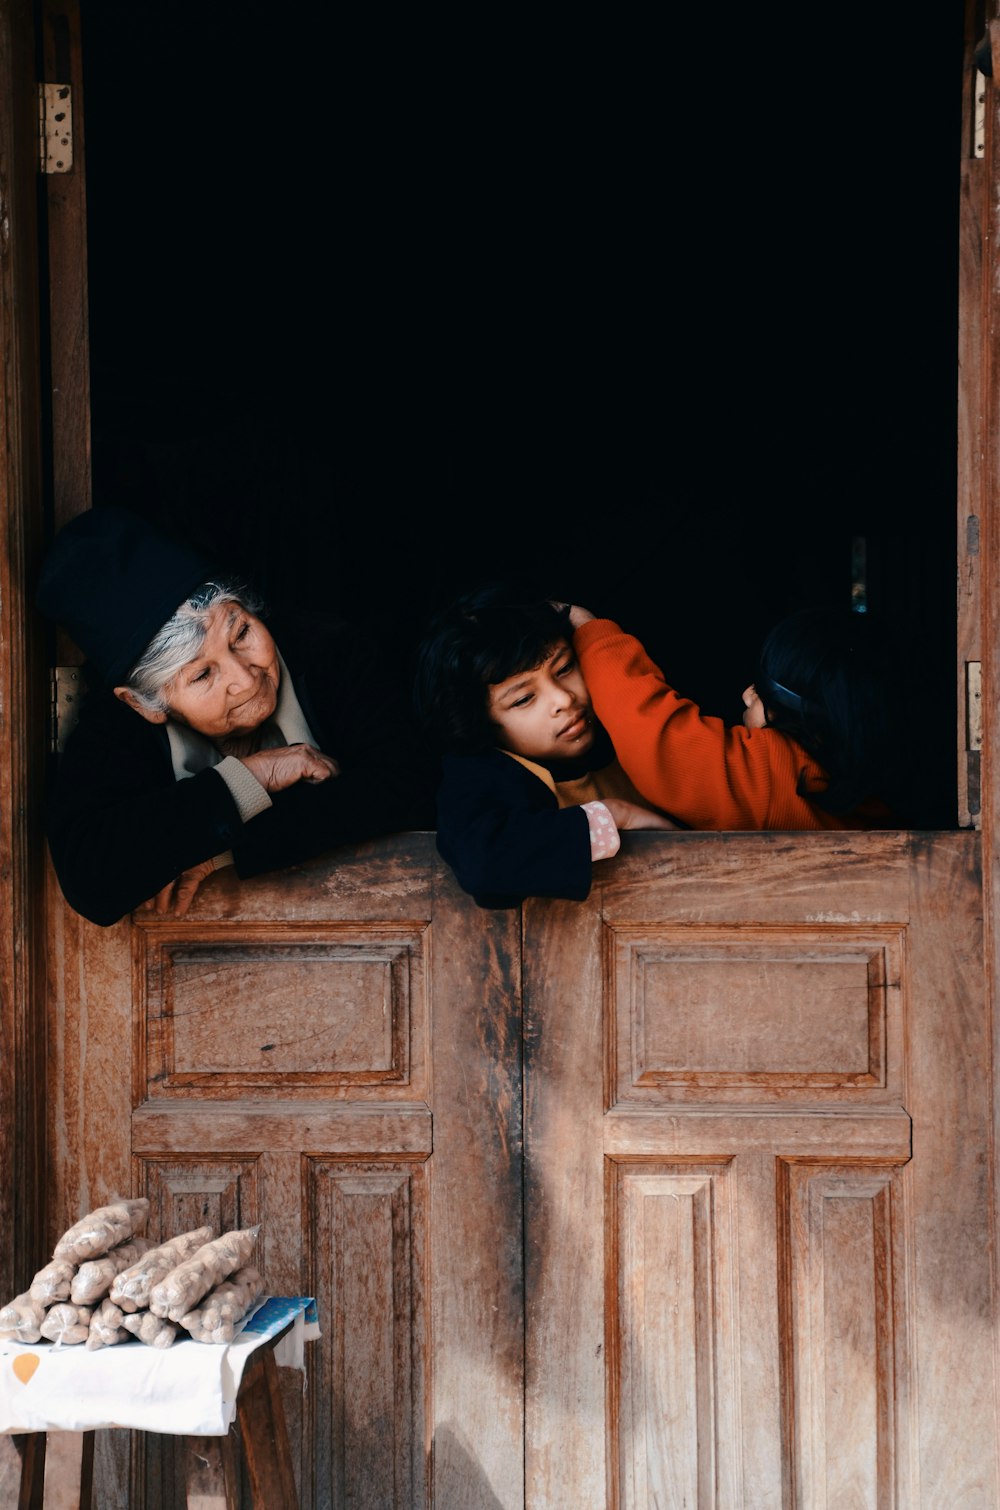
x=191, y=752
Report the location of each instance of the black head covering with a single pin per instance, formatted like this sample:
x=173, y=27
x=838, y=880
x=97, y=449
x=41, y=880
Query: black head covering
x=112, y=580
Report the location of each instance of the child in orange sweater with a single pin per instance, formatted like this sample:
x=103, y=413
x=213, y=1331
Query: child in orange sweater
x=812, y=752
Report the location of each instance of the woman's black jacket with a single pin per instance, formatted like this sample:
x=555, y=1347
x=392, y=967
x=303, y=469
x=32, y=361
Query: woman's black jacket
x=120, y=827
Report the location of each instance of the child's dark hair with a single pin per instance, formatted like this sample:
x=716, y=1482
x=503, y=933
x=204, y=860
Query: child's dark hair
x=483, y=638
x=822, y=681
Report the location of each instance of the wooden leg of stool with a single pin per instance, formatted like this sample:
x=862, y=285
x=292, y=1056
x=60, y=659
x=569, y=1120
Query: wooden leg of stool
x=210, y=1468
x=32, y=1450
x=265, y=1436
x=69, y=1470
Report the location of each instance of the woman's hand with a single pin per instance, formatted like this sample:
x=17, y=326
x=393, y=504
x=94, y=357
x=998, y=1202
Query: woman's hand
x=578, y=615
x=283, y=767
x=275, y=770
x=630, y=815
x=177, y=897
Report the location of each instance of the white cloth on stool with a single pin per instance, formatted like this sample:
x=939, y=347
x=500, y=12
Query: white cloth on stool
x=187, y=1389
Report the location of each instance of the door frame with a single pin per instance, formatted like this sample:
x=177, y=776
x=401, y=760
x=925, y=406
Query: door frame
x=23, y=677
x=979, y=476
x=23, y=680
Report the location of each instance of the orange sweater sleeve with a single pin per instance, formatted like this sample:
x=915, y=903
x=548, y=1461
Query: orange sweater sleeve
x=704, y=773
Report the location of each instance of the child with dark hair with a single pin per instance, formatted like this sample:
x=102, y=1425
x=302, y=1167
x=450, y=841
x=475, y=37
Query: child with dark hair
x=531, y=793
x=813, y=751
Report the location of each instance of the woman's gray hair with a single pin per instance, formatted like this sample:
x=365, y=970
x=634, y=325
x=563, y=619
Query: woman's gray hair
x=180, y=640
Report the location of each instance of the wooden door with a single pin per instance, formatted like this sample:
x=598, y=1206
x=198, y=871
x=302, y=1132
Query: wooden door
x=757, y=1166
x=752, y=1266
x=333, y=1053
x=758, y=1200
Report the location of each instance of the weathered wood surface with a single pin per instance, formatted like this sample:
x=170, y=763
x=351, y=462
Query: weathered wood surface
x=700, y=1226
x=359, y=1095
x=854, y=1150
x=263, y=1434
x=211, y=1481
x=22, y=676
x=987, y=331
x=973, y=501
x=66, y=210
x=22, y=663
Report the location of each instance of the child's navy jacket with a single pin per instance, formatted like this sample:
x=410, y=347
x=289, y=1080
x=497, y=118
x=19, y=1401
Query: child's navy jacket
x=503, y=833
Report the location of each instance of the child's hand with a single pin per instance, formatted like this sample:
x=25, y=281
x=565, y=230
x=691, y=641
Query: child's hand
x=630, y=815
x=578, y=616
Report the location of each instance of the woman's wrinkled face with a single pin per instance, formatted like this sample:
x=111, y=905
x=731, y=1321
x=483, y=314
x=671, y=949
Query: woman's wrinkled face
x=231, y=687
x=545, y=713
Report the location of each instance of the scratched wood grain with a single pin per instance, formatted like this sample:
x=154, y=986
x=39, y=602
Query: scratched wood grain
x=396, y=1202
x=822, y=1342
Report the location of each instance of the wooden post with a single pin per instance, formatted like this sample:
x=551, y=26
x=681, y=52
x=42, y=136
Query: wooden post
x=22, y=674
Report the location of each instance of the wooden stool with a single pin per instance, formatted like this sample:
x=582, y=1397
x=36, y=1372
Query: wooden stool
x=210, y=1463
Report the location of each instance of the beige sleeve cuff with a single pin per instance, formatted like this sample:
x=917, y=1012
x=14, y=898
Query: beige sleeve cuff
x=605, y=839
x=246, y=791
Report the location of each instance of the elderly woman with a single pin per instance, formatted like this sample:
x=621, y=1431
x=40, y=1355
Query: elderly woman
x=206, y=740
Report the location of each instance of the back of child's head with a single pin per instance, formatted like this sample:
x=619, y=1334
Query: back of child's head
x=822, y=680
x=482, y=638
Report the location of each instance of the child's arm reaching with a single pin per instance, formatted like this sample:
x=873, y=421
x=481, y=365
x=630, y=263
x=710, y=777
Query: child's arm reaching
x=706, y=774
x=628, y=815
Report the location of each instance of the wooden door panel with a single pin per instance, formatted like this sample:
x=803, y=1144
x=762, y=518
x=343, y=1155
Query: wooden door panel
x=333, y=1053
x=757, y=1063
x=816, y=1015
x=198, y=1038
x=186, y=1193
x=368, y=1224
x=671, y=1339
x=675, y=1346
x=847, y=1347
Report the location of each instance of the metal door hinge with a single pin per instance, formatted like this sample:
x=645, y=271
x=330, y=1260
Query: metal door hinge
x=973, y=705
x=55, y=128
x=974, y=740
x=980, y=89
x=66, y=692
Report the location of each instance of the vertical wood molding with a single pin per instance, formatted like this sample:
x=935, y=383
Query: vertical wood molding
x=477, y=1289
x=566, y=1456
x=671, y=1336
x=971, y=348
x=185, y=1194
x=367, y=1265
x=66, y=209
x=987, y=322
x=22, y=675
x=970, y=446
x=22, y=685
x=849, y=1417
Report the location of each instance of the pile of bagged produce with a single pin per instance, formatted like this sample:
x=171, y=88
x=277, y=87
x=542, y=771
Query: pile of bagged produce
x=107, y=1283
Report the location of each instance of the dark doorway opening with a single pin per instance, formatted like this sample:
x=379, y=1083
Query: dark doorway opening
x=659, y=317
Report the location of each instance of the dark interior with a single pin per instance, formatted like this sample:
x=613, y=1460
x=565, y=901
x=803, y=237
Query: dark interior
x=658, y=317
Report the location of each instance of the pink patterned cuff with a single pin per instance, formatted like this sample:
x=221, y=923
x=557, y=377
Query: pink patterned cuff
x=604, y=837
